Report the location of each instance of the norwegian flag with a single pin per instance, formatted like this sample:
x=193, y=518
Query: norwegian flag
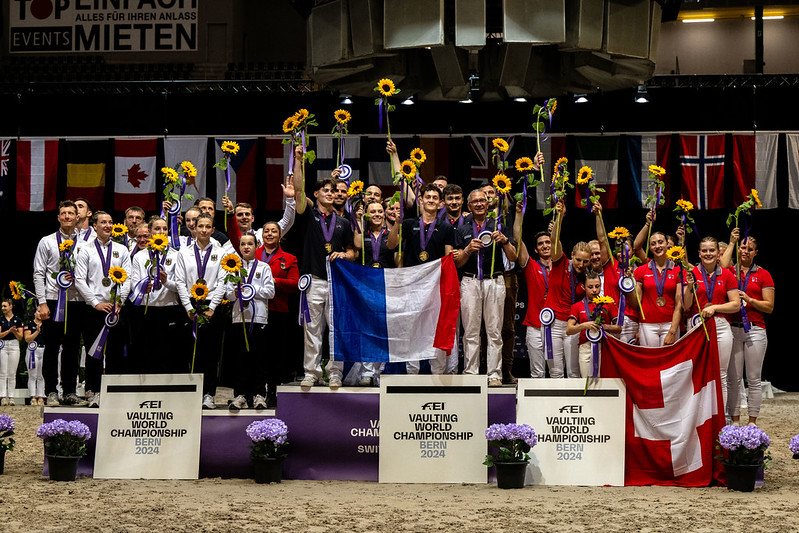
x=702, y=162
x=277, y=167
x=483, y=169
x=674, y=408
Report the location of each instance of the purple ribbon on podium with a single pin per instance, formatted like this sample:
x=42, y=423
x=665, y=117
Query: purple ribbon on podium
x=547, y=317
x=305, y=312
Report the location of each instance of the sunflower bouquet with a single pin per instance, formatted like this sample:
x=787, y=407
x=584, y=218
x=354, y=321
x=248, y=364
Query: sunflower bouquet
x=385, y=88
x=621, y=247
x=678, y=255
x=656, y=197
x=540, y=115
x=586, y=177
x=524, y=166
x=600, y=302
x=751, y=202
x=118, y=276
x=157, y=245
x=19, y=292
x=66, y=264
x=175, y=181
x=560, y=182
x=297, y=128
x=118, y=232
x=66, y=259
x=342, y=117
x=410, y=170
x=683, y=212
x=236, y=273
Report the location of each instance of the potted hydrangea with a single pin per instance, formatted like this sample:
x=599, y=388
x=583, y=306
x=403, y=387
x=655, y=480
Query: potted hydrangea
x=269, y=440
x=6, y=441
x=513, y=442
x=744, y=452
x=794, y=446
x=65, y=444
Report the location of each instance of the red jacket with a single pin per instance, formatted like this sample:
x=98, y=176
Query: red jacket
x=286, y=275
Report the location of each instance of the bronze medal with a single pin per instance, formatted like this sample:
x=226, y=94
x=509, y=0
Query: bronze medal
x=376, y=265
x=328, y=247
x=424, y=256
x=661, y=301
x=106, y=282
x=201, y=281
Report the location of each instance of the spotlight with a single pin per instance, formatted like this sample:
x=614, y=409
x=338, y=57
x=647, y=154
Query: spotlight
x=641, y=96
x=408, y=101
x=520, y=100
x=346, y=99
x=580, y=99
x=467, y=101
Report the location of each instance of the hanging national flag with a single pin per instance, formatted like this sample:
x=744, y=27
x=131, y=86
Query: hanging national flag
x=326, y=152
x=37, y=172
x=792, y=140
x=754, y=166
x=379, y=164
x=86, y=161
x=436, y=150
x=5, y=156
x=194, y=149
x=642, y=152
x=242, y=172
x=674, y=408
x=702, y=162
x=483, y=169
x=6, y=189
x=135, y=173
x=277, y=168
x=601, y=154
x=392, y=314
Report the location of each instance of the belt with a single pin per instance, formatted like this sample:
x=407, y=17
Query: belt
x=485, y=276
x=737, y=324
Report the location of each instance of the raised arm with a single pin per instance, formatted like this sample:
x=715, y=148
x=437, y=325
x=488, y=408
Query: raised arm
x=640, y=239
x=726, y=258
x=560, y=207
x=299, y=180
x=601, y=236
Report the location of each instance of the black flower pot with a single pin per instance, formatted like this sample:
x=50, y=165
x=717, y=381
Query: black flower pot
x=63, y=468
x=268, y=469
x=510, y=475
x=741, y=477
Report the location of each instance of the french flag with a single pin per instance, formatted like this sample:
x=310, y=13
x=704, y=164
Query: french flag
x=393, y=314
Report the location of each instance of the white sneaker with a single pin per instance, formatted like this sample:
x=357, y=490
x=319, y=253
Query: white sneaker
x=494, y=382
x=3, y=401
x=365, y=381
x=95, y=401
x=52, y=400
x=307, y=382
x=208, y=402
x=334, y=383
x=259, y=402
x=239, y=402
x=11, y=402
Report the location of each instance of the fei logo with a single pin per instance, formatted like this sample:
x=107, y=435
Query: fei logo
x=433, y=406
x=150, y=404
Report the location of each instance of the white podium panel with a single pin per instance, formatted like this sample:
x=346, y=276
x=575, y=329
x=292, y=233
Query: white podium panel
x=149, y=427
x=432, y=429
x=580, y=433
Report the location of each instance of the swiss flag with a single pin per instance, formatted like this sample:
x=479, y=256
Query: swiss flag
x=135, y=173
x=674, y=408
x=702, y=162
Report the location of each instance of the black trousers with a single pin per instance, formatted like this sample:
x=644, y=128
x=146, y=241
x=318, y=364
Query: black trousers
x=114, y=354
x=206, y=352
x=54, y=339
x=251, y=366
x=160, y=339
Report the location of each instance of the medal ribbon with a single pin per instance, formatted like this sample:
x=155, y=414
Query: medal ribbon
x=545, y=273
x=475, y=232
x=742, y=285
x=710, y=285
x=425, y=235
x=106, y=262
x=328, y=227
x=594, y=345
x=376, y=242
x=202, y=264
x=660, y=281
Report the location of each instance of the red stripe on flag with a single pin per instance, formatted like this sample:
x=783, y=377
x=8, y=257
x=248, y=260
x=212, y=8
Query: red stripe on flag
x=449, y=290
x=274, y=174
x=743, y=166
x=50, y=174
x=135, y=147
x=94, y=195
x=146, y=201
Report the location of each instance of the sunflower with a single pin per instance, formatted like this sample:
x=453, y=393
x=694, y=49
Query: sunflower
x=619, y=232
x=301, y=115
x=117, y=275
x=500, y=144
x=290, y=124
x=356, y=187
x=603, y=300
x=230, y=147
x=386, y=87
x=524, y=164
x=685, y=205
x=418, y=156
x=342, y=116
x=224, y=302
x=408, y=169
x=199, y=291
x=188, y=169
x=231, y=263
x=66, y=245
x=14, y=290
x=118, y=230
x=170, y=174
x=756, y=198
x=675, y=253
x=158, y=242
x=584, y=176
x=656, y=170
x=501, y=183
x=554, y=106
x=559, y=162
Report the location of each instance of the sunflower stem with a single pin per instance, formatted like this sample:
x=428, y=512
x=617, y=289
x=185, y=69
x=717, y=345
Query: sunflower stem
x=244, y=327
x=363, y=242
x=707, y=335
x=493, y=252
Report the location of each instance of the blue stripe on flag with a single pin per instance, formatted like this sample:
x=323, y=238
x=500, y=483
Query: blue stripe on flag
x=635, y=165
x=358, y=307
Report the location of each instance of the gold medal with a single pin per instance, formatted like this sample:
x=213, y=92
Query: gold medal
x=424, y=255
x=661, y=301
x=106, y=282
x=328, y=247
x=375, y=265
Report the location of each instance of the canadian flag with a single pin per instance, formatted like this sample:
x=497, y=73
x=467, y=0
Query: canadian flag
x=674, y=408
x=135, y=173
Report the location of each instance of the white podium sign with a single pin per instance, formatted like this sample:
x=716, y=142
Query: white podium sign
x=149, y=427
x=580, y=435
x=432, y=429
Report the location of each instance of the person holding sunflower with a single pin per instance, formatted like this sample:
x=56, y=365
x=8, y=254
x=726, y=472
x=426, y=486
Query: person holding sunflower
x=101, y=278
x=199, y=279
x=328, y=237
x=11, y=333
x=659, y=293
x=756, y=291
x=477, y=247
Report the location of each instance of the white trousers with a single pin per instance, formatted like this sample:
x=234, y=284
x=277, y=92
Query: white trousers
x=9, y=359
x=653, y=335
x=35, y=377
x=571, y=351
x=482, y=302
x=535, y=351
x=724, y=339
x=319, y=306
x=629, y=329
x=558, y=363
x=749, y=350
x=586, y=356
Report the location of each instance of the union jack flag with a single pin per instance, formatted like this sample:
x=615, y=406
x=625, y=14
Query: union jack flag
x=5, y=156
x=483, y=169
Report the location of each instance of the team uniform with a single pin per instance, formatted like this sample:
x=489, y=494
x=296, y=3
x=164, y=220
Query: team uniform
x=375, y=250
x=564, y=290
x=285, y=224
x=34, y=359
x=584, y=311
x=536, y=277
x=749, y=348
x=9, y=357
x=655, y=325
x=93, y=282
x=251, y=370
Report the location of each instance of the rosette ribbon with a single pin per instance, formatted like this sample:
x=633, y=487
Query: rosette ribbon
x=32, y=345
x=595, y=338
x=246, y=293
x=547, y=318
x=695, y=320
x=2, y=344
x=61, y=304
x=98, y=347
x=138, y=291
x=305, y=312
x=174, y=229
x=626, y=286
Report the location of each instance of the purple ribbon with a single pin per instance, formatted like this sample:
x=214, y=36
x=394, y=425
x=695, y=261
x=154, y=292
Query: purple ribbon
x=710, y=284
x=620, y=317
x=380, y=116
x=402, y=200
x=376, y=242
x=302, y=135
x=98, y=346
x=105, y=261
x=32, y=350
x=174, y=232
x=61, y=306
x=660, y=281
x=742, y=286
x=328, y=228
x=425, y=235
x=524, y=197
x=657, y=202
x=594, y=359
x=475, y=232
x=201, y=264
x=291, y=156
x=139, y=290
x=548, y=342
x=746, y=226
x=227, y=175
